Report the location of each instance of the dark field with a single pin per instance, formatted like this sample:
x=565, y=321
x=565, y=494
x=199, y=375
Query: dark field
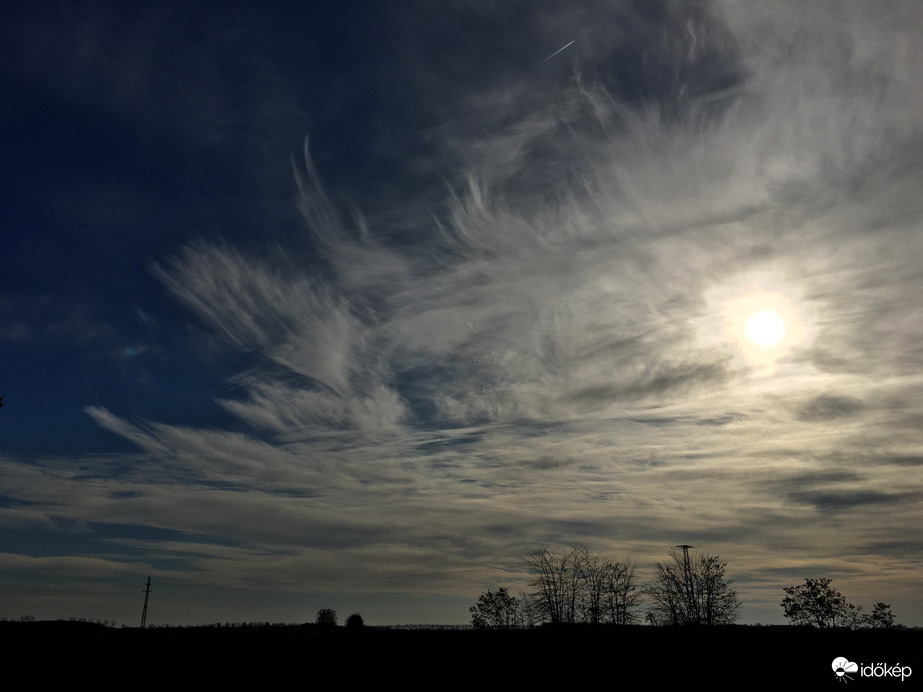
x=734, y=657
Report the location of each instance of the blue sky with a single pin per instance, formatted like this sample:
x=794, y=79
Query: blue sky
x=352, y=305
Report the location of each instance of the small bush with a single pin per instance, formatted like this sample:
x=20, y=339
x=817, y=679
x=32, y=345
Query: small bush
x=326, y=618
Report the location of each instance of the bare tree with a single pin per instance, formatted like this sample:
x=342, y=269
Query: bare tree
x=558, y=580
x=595, y=580
x=579, y=586
x=668, y=596
x=621, y=594
x=547, y=581
x=528, y=611
x=692, y=590
x=610, y=595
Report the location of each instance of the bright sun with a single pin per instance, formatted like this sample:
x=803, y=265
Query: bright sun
x=765, y=328
x=760, y=317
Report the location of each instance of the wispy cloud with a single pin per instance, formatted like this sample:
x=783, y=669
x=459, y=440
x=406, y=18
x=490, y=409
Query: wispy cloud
x=565, y=290
x=544, y=353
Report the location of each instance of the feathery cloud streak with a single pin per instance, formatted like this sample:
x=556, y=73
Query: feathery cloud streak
x=538, y=344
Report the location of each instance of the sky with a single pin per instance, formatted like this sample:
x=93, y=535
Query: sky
x=355, y=304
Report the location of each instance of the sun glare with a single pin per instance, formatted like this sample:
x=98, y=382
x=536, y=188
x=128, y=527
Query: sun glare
x=759, y=318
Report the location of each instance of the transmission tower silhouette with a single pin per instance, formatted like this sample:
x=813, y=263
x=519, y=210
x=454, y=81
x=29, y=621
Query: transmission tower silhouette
x=147, y=593
x=685, y=549
x=691, y=604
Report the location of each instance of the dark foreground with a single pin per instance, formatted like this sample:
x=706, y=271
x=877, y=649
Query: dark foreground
x=738, y=657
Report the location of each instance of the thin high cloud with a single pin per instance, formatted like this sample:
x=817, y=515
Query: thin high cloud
x=573, y=300
x=532, y=348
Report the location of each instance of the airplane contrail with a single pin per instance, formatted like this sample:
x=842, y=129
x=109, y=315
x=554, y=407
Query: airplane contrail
x=556, y=52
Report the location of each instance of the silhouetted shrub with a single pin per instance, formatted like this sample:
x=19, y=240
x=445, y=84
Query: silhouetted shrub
x=354, y=622
x=326, y=618
x=818, y=604
x=495, y=610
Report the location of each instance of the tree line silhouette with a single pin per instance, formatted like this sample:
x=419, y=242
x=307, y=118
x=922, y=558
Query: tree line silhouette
x=817, y=604
x=327, y=620
x=580, y=587
x=690, y=588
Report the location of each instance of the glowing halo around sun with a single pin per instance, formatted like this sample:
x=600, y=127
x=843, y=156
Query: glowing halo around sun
x=759, y=318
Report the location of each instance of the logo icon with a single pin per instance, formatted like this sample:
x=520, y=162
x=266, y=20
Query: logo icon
x=842, y=666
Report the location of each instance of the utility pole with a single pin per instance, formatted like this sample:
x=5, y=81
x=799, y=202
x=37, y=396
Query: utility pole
x=147, y=593
x=692, y=607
